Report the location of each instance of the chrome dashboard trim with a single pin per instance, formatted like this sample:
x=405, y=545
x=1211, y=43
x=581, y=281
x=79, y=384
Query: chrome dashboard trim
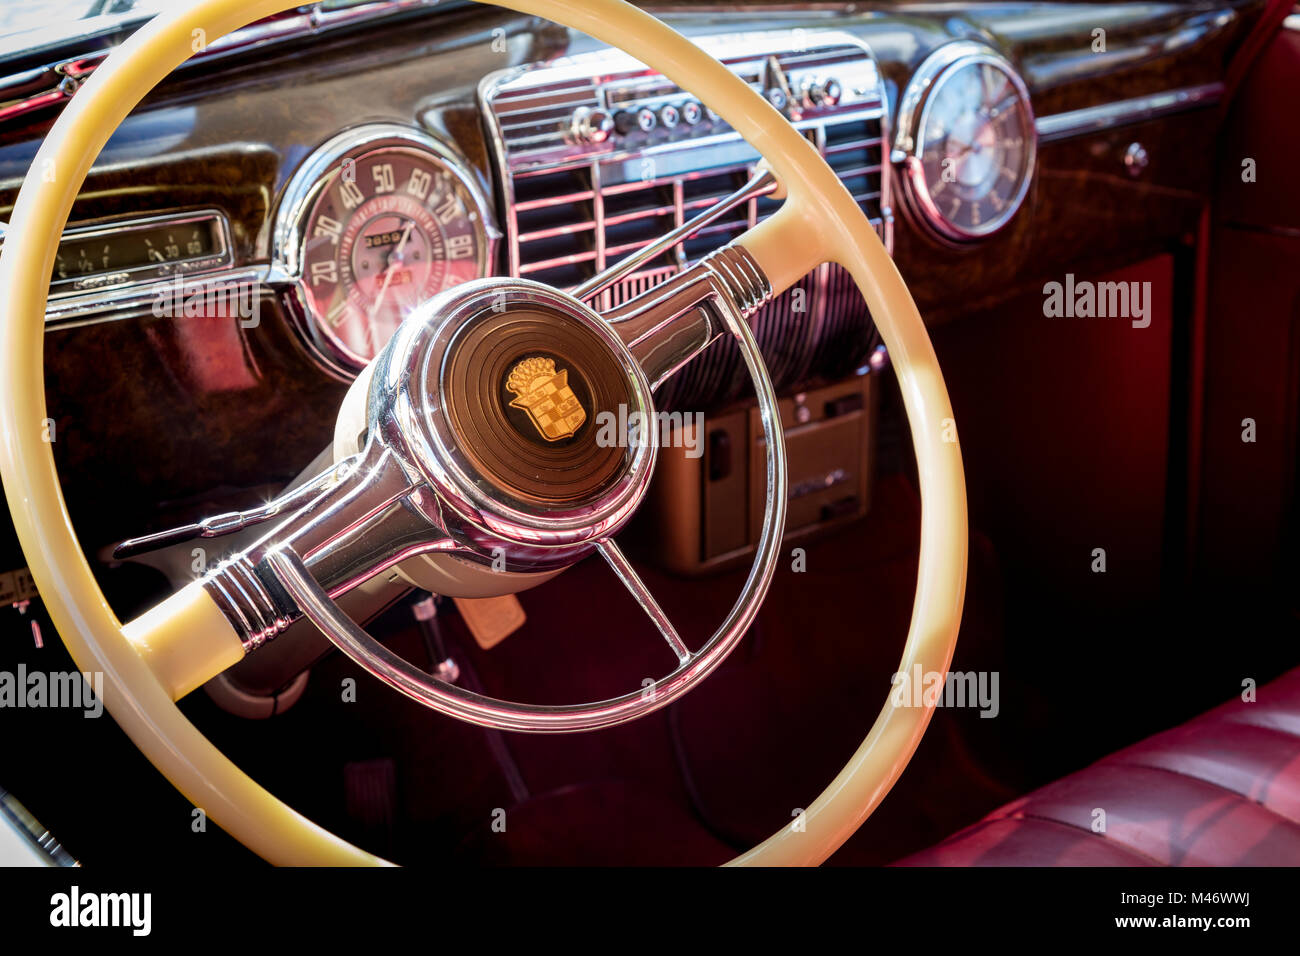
x=65, y=306
x=762, y=184
x=615, y=63
x=117, y=303
x=1094, y=119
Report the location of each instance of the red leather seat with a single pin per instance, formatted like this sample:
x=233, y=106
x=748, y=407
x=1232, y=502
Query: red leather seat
x=1221, y=790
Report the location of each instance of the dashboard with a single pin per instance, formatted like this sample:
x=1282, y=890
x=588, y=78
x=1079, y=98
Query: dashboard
x=259, y=227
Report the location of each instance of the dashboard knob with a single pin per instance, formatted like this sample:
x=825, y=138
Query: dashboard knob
x=776, y=96
x=823, y=93
x=629, y=121
x=669, y=116
x=1136, y=159
x=692, y=113
x=591, y=126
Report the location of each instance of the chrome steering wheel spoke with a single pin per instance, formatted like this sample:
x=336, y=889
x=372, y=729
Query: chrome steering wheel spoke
x=361, y=517
x=618, y=561
x=669, y=325
x=762, y=183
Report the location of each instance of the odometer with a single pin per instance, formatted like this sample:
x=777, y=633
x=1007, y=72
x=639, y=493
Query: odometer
x=389, y=222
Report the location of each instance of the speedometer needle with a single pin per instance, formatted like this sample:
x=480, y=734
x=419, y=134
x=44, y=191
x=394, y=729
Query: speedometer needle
x=394, y=260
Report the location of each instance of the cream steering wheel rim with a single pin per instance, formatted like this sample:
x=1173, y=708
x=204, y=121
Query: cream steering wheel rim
x=819, y=219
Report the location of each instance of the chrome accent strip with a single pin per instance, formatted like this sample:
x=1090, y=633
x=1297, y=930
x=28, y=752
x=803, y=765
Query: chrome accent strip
x=64, y=303
x=1094, y=119
x=615, y=155
x=112, y=305
x=223, y=595
x=256, y=600
x=739, y=275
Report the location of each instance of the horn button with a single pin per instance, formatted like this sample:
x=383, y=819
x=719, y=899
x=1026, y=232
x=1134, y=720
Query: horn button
x=525, y=391
x=505, y=393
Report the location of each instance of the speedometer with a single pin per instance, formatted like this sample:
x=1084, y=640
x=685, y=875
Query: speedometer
x=966, y=142
x=380, y=220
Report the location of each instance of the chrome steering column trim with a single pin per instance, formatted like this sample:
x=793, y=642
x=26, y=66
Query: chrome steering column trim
x=257, y=613
x=357, y=519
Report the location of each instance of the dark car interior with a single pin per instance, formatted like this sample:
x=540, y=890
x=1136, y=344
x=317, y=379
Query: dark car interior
x=1104, y=248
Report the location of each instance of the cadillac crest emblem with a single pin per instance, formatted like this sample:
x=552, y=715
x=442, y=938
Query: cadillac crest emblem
x=546, y=396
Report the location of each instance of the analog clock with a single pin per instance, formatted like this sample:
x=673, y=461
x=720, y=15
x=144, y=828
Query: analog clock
x=966, y=142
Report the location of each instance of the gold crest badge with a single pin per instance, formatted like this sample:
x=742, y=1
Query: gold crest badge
x=545, y=395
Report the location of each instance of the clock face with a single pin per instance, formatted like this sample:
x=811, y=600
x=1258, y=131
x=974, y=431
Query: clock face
x=973, y=149
x=390, y=228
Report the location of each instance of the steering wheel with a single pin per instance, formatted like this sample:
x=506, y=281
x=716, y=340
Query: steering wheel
x=426, y=477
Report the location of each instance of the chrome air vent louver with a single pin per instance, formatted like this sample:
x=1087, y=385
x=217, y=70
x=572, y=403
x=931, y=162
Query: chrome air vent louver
x=597, y=156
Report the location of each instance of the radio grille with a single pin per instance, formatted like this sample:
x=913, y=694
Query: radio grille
x=574, y=207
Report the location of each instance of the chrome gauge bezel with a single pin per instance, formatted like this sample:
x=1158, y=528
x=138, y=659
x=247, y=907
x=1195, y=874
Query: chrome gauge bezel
x=909, y=147
x=317, y=172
